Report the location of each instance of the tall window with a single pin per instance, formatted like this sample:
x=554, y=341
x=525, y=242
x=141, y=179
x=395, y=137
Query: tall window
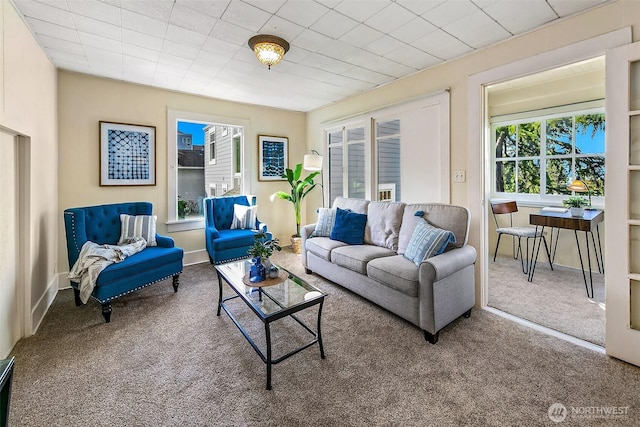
x=388, y=146
x=210, y=164
x=537, y=156
x=348, y=179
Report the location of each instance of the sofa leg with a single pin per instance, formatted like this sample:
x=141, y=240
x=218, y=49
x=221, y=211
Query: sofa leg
x=176, y=282
x=306, y=270
x=76, y=295
x=106, y=311
x=431, y=338
x=467, y=314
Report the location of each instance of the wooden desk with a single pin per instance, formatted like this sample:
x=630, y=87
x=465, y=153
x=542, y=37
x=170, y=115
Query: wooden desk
x=563, y=220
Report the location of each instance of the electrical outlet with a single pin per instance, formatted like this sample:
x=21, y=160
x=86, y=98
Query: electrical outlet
x=459, y=176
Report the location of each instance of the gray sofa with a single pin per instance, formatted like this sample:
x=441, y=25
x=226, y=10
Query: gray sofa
x=430, y=296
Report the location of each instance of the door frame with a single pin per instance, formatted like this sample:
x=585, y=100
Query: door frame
x=478, y=131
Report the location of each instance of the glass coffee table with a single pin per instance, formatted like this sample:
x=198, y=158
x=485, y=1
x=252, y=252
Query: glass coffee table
x=271, y=300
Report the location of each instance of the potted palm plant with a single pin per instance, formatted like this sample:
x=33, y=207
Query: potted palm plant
x=576, y=205
x=300, y=187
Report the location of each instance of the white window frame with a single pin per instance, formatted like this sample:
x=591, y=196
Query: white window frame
x=173, y=116
x=543, y=199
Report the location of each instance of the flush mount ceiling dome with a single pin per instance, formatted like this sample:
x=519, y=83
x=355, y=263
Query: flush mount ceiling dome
x=268, y=49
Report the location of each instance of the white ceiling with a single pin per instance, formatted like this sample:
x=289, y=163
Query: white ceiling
x=339, y=48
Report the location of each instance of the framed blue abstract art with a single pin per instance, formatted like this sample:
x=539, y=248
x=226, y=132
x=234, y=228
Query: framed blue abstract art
x=272, y=158
x=127, y=154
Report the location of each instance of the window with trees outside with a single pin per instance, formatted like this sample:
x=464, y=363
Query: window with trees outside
x=537, y=156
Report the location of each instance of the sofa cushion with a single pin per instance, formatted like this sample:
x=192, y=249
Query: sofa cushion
x=138, y=226
x=383, y=224
x=356, y=257
x=355, y=205
x=151, y=258
x=326, y=219
x=396, y=272
x=427, y=241
x=447, y=217
x=244, y=217
x=322, y=246
x=349, y=227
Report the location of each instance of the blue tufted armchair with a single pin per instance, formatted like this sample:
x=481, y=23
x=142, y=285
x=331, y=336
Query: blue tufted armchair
x=101, y=224
x=223, y=243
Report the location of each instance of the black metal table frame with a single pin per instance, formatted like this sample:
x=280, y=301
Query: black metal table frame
x=268, y=319
x=597, y=249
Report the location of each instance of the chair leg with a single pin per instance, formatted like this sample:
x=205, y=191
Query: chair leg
x=497, y=244
x=106, y=311
x=76, y=295
x=176, y=282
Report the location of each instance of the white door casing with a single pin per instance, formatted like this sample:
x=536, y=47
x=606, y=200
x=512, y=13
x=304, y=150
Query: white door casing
x=622, y=189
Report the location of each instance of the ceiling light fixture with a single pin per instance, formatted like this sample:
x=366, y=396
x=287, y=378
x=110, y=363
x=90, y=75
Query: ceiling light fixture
x=268, y=49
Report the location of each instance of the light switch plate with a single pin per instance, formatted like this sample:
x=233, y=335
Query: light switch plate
x=459, y=176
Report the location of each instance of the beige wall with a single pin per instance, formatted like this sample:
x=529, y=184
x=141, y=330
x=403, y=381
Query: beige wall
x=28, y=107
x=455, y=75
x=84, y=100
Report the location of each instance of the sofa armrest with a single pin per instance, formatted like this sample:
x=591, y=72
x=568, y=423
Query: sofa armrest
x=305, y=232
x=211, y=232
x=444, y=265
x=164, y=241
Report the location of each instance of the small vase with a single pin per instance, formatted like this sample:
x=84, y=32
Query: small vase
x=257, y=273
x=273, y=272
x=577, y=212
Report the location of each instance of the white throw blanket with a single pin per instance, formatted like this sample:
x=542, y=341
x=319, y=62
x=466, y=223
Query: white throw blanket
x=94, y=258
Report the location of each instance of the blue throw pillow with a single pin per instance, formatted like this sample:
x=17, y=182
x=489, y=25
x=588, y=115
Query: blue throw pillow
x=349, y=227
x=427, y=241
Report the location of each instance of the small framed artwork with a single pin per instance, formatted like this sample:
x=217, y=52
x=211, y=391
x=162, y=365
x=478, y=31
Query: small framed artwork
x=127, y=154
x=273, y=157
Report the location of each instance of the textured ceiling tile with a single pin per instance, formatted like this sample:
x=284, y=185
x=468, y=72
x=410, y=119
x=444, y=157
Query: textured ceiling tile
x=53, y=30
x=413, y=30
x=174, y=61
x=182, y=50
x=270, y=6
x=520, y=15
x=231, y=33
x=361, y=10
x=156, y=9
x=390, y=18
x=220, y=47
x=140, y=52
x=420, y=6
x=337, y=49
x=170, y=70
x=68, y=58
x=140, y=39
x=384, y=45
x=182, y=35
x=303, y=13
x=245, y=15
x=477, y=30
x=282, y=28
x=100, y=42
x=139, y=65
x=190, y=19
x=333, y=25
x=449, y=11
x=99, y=28
x=569, y=7
x=361, y=36
x=61, y=45
x=412, y=57
x=311, y=40
x=442, y=45
x=96, y=10
x=211, y=59
x=143, y=24
x=211, y=8
x=45, y=12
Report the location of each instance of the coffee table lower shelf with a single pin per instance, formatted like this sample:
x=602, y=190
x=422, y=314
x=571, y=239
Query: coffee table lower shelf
x=267, y=319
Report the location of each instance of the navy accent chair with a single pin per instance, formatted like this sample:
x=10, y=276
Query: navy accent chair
x=224, y=244
x=101, y=224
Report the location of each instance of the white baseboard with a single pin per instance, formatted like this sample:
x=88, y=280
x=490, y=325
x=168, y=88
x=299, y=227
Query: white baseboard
x=44, y=302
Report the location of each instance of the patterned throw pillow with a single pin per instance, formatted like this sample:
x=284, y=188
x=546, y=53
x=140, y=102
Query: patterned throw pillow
x=349, y=227
x=427, y=241
x=326, y=219
x=244, y=217
x=138, y=226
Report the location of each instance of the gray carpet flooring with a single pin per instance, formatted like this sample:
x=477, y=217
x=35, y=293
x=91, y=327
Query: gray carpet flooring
x=555, y=298
x=167, y=359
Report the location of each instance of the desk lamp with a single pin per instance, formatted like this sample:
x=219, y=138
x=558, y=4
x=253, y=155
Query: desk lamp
x=580, y=186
